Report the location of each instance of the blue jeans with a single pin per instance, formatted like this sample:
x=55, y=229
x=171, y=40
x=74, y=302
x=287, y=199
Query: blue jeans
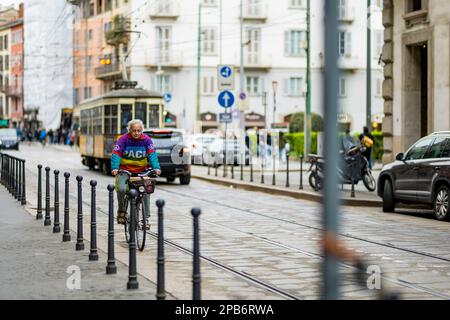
x=122, y=188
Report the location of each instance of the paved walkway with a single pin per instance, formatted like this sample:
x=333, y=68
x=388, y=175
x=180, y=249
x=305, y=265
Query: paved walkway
x=362, y=195
x=34, y=263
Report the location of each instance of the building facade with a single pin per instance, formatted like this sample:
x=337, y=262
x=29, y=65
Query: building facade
x=165, y=46
x=100, y=42
x=417, y=75
x=9, y=18
x=48, y=56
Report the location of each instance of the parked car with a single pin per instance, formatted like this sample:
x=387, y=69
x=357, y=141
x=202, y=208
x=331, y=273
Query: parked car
x=198, y=145
x=9, y=139
x=420, y=176
x=173, y=154
x=215, y=152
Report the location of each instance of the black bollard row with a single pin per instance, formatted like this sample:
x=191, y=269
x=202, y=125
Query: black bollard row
x=132, y=270
x=13, y=176
x=301, y=173
x=160, y=292
x=196, y=290
x=111, y=266
x=80, y=244
x=287, y=170
x=47, y=220
x=56, y=224
x=66, y=235
x=93, y=255
x=39, y=196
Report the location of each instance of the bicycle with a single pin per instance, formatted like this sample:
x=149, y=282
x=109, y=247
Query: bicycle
x=144, y=184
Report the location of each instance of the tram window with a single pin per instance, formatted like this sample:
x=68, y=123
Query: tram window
x=125, y=116
x=154, y=116
x=140, y=110
x=89, y=121
x=97, y=120
x=111, y=119
x=84, y=121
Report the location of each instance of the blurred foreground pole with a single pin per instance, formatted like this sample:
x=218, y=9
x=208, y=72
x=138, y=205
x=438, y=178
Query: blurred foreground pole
x=330, y=204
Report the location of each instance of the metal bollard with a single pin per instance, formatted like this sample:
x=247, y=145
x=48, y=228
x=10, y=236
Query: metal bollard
x=263, y=163
x=39, y=195
x=250, y=159
x=209, y=169
x=16, y=179
x=273, y=168
x=111, y=266
x=352, y=193
x=66, y=235
x=132, y=273
x=216, y=167
x=56, y=224
x=242, y=166
x=24, y=185
x=47, y=221
x=160, y=292
x=18, y=195
x=196, y=280
x=93, y=256
x=80, y=244
x=301, y=173
x=13, y=175
x=287, y=170
x=232, y=169
x=225, y=168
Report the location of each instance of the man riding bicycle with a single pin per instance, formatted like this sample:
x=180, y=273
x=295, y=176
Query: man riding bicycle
x=133, y=152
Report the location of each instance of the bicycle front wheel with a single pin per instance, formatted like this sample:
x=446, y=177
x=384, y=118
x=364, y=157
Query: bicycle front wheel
x=141, y=228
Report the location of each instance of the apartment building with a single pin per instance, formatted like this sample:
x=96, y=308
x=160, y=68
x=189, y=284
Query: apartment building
x=9, y=18
x=164, y=57
x=48, y=59
x=417, y=74
x=100, y=41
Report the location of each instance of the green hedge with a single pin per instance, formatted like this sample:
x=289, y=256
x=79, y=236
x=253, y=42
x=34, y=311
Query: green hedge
x=296, y=141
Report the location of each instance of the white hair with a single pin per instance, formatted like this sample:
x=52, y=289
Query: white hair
x=134, y=122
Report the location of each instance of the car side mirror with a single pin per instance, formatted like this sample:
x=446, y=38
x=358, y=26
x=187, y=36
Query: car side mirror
x=400, y=157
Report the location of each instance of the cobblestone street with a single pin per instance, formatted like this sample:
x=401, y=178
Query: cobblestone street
x=259, y=246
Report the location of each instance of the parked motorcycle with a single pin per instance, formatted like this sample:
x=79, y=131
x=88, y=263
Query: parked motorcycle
x=352, y=167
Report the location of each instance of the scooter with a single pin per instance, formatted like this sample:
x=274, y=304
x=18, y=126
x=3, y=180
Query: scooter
x=352, y=167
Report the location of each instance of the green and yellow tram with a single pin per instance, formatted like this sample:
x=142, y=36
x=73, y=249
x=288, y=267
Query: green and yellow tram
x=104, y=119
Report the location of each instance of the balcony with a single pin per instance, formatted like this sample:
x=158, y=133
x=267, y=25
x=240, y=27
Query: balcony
x=165, y=60
x=350, y=63
x=165, y=9
x=257, y=62
x=255, y=12
x=111, y=71
x=12, y=91
x=346, y=14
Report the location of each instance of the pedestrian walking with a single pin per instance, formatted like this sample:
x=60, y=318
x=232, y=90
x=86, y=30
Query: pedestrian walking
x=51, y=136
x=43, y=136
x=367, y=141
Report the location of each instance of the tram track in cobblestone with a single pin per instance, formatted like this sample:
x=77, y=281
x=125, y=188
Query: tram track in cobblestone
x=263, y=284
x=387, y=245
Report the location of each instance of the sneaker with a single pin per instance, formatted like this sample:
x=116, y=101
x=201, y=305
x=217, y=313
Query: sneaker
x=121, y=217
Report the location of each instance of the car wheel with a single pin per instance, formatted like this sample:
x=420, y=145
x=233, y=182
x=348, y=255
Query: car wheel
x=388, y=197
x=170, y=179
x=185, y=180
x=441, y=203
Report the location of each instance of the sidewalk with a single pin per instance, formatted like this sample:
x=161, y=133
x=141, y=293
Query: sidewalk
x=362, y=197
x=34, y=263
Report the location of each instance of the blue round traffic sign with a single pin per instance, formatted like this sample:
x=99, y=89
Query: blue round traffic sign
x=167, y=97
x=226, y=99
x=226, y=72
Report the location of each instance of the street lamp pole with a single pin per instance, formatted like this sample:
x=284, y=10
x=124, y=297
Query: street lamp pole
x=199, y=60
x=369, y=67
x=307, y=122
x=274, y=87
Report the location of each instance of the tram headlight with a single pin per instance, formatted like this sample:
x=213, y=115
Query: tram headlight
x=141, y=189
